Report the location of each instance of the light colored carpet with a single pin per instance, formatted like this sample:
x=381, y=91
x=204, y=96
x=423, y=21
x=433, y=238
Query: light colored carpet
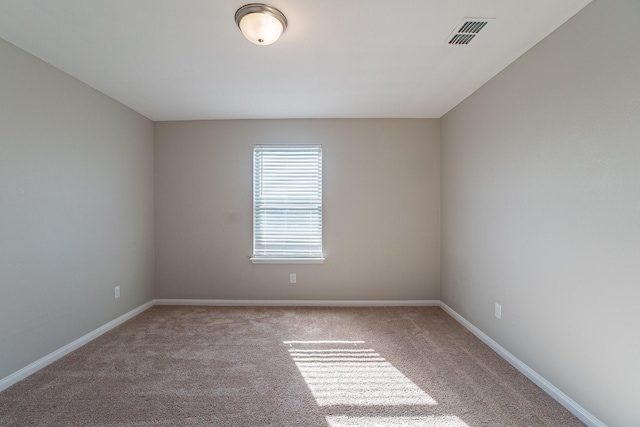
x=258, y=366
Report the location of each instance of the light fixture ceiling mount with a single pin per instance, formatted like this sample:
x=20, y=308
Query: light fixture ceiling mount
x=261, y=24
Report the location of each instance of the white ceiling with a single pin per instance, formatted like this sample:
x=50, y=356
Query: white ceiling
x=187, y=60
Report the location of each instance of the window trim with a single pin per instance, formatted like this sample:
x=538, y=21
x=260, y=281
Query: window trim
x=275, y=259
x=265, y=260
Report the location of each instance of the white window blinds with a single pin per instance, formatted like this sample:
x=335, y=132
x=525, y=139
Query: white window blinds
x=287, y=202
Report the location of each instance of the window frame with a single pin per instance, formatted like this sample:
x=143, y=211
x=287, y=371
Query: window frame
x=283, y=258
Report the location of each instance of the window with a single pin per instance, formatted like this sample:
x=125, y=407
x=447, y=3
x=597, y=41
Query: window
x=287, y=203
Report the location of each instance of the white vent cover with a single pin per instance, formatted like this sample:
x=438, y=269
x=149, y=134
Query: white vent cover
x=467, y=30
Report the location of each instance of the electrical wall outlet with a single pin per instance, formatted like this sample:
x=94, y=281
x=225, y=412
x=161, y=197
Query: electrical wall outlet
x=292, y=278
x=116, y=292
x=498, y=311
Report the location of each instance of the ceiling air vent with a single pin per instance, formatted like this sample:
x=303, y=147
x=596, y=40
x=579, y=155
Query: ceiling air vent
x=467, y=30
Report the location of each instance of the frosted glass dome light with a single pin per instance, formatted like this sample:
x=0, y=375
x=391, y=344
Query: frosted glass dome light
x=261, y=24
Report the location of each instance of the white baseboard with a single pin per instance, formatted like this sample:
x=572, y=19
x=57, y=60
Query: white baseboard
x=571, y=405
x=299, y=303
x=10, y=380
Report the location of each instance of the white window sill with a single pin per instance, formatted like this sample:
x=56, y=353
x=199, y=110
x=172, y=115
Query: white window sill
x=287, y=260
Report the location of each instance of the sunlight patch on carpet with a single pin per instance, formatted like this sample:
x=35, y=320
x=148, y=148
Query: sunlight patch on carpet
x=350, y=373
x=422, y=421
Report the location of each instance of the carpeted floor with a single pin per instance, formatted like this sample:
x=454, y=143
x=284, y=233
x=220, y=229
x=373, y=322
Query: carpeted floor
x=258, y=366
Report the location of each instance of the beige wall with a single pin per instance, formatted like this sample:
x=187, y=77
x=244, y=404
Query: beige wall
x=541, y=209
x=380, y=210
x=76, y=209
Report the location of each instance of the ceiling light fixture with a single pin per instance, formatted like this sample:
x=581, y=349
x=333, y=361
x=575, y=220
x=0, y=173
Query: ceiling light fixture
x=261, y=24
